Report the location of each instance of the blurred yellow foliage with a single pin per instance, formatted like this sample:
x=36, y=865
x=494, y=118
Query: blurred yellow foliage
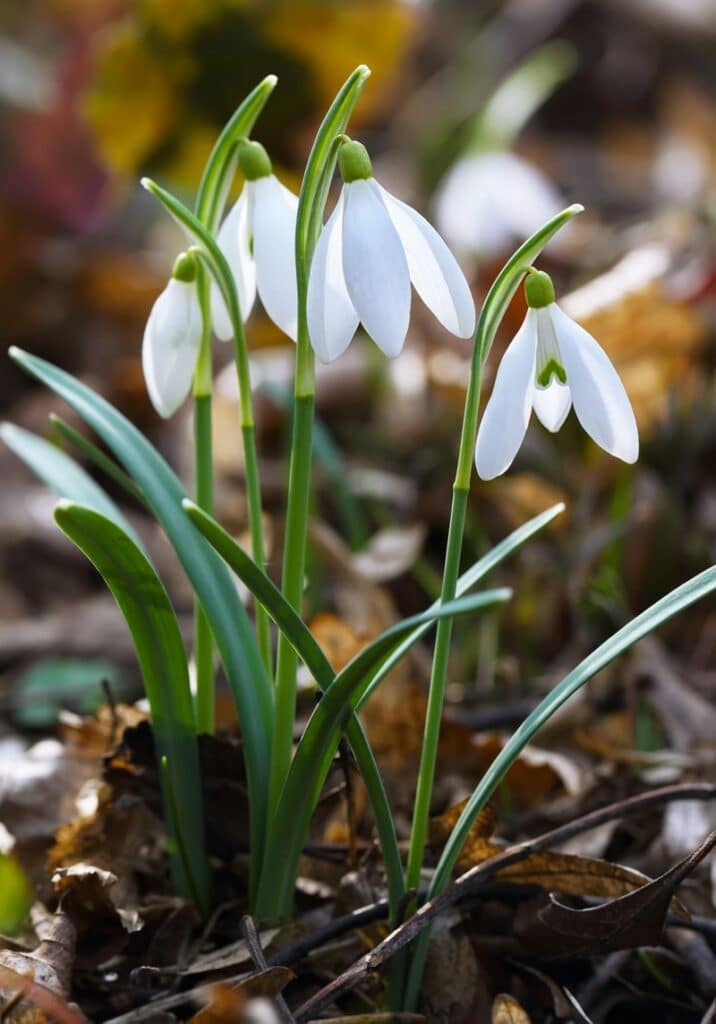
x=177, y=20
x=133, y=101
x=169, y=73
x=335, y=37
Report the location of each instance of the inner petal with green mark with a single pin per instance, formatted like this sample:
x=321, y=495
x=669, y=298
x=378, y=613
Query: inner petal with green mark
x=549, y=362
x=552, y=369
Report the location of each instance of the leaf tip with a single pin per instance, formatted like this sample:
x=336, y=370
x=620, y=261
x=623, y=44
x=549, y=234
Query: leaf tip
x=574, y=209
x=147, y=184
x=270, y=81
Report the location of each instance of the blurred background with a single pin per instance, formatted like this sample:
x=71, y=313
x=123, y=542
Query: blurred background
x=486, y=116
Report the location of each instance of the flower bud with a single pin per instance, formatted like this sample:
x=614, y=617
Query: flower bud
x=254, y=161
x=539, y=290
x=354, y=162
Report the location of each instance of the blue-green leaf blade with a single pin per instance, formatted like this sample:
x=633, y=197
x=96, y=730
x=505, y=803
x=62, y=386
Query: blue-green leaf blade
x=158, y=643
x=317, y=746
x=639, y=627
x=59, y=471
x=304, y=643
x=659, y=613
x=209, y=577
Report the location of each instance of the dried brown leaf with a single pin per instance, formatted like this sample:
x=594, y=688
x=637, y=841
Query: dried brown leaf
x=43, y=977
x=558, y=872
x=338, y=641
x=230, y=957
x=636, y=919
x=39, y=1005
x=506, y=1010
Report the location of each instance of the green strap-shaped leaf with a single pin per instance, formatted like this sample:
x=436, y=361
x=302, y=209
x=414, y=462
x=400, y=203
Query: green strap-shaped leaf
x=659, y=613
x=209, y=577
x=304, y=643
x=65, y=477
x=95, y=455
x=157, y=640
x=317, y=747
x=465, y=583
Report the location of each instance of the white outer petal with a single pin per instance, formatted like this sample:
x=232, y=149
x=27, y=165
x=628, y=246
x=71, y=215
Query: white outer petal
x=233, y=239
x=504, y=421
x=434, y=271
x=552, y=405
x=375, y=267
x=170, y=347
x=332, y=320
x=274, y=223
x=599, y=398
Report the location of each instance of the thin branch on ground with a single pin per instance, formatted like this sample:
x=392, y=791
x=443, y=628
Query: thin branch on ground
x=253, y=941
x=478, y=875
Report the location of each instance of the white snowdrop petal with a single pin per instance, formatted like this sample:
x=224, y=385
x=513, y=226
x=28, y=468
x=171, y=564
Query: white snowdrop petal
x=504, y=421
x=234, y=240
x=274, y=226
x=552, y=405
x=434, y=271
x=332, y=320
x=487, y=199
x=170, y=347
x=375, y=267
x=599, y=398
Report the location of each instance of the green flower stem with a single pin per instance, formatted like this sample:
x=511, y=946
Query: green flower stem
x=491, y=314
x=309, y=220
x=294, y=561
x=211, y=197
x=436, y=693
x=248, y=433
x=251, y=477
x=253, y=496
x=204, y=491
x=214, y=262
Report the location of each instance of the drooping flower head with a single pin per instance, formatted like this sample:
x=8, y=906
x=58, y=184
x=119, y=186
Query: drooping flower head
x=172, y=339
x=257, y=239
x=370, y=250
x=488, y=199
x=552, y=364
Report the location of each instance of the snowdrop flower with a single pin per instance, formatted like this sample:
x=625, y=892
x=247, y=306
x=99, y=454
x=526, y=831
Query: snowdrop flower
x=257, y=239
x=488, y=199
x=369, y=251
x=551, y=364
x=172, y=339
